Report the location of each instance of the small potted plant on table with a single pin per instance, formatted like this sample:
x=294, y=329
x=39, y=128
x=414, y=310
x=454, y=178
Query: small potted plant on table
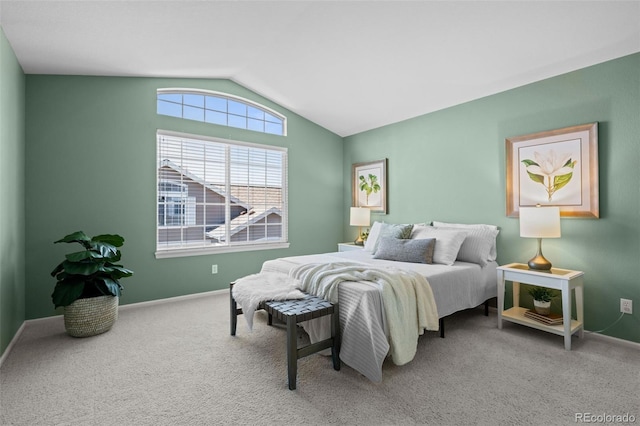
x=542, y=299
x=88, y=284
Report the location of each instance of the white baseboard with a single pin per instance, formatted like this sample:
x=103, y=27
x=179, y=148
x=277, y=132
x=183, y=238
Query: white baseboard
x=604, y=337
x=12, y=343
x=173, y=299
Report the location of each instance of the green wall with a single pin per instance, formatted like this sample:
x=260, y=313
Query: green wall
x=91, y=166
x=450, y=165
x=89, y=149
x=12, y=226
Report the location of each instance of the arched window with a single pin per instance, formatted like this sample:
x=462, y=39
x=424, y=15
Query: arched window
x=220, y=108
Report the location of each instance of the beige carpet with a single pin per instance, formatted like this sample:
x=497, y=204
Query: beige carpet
x=175, y=364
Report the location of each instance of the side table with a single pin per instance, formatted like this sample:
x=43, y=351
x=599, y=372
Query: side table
x=349, y=247
x=564, y=280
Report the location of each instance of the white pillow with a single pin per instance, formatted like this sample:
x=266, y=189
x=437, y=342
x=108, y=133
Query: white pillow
x=374, y=233
x=476, y=248
x=493, y=254
x=448, y=242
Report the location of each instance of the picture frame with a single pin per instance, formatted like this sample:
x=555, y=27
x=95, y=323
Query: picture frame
x=554, y=168
x=369, y=183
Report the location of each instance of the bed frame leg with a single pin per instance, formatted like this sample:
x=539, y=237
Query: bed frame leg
x=486, y=308
x=441, y=326
x=234, y=311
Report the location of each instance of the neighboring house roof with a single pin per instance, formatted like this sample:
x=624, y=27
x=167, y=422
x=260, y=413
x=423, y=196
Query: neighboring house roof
x=243, y=221
x=215, y=188
x=254, y=195
x=258, y=196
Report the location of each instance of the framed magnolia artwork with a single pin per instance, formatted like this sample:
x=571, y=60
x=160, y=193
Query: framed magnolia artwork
x=554, y=168
x=369, y=182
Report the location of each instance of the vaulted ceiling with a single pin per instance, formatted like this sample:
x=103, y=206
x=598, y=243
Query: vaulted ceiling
x=349, y=66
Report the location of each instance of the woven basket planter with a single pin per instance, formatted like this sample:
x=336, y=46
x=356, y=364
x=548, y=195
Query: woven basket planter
x=91, y=316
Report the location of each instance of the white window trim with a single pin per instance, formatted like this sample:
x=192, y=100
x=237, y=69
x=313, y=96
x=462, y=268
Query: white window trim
x=182, y=90
x=231, y=248
x=170, y=253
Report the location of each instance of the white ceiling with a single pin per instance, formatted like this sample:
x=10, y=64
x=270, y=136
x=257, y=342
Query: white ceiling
x=349, y=66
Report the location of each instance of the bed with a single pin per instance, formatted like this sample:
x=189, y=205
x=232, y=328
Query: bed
x=457, y=260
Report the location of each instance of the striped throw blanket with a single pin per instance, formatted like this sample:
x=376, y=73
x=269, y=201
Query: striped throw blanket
x=409, y=306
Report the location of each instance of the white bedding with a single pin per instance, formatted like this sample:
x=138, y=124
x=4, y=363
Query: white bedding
x=363, y=330
x=409, y=306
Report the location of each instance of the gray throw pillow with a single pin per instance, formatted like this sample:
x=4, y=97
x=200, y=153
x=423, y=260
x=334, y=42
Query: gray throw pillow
x=393, y=230
x=405, y=250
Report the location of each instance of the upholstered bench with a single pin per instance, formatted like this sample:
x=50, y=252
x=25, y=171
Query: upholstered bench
x=291, y=312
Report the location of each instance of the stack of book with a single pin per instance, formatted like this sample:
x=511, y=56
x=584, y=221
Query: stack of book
x=551, y=319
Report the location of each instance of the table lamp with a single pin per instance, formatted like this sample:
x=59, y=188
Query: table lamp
x=359, y=216
x=539, y=222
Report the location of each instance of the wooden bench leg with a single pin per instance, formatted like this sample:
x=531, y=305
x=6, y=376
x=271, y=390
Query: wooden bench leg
x=292, y=351
x=291, y=312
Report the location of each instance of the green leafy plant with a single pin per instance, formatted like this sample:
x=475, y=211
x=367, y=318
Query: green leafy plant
x=91, y=272
x=542, y=294
x=369, y=185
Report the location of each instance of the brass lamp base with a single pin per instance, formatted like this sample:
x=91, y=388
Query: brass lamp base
x=359, y=241
x=538, y=262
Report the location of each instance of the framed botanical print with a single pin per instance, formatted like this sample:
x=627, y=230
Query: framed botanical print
x=369, y=183
x=554, y=168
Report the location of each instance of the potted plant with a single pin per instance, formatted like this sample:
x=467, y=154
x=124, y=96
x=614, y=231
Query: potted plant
x=88, y=284
x=542, y=299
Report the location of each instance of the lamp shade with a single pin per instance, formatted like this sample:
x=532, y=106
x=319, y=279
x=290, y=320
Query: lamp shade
x=540, y=222
x=359, y=216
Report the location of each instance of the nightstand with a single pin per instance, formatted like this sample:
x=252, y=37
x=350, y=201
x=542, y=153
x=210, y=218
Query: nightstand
x=349, y=247
x=564, y=280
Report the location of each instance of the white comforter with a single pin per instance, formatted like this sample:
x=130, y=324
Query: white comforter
x=364, y=341
x=408, y=302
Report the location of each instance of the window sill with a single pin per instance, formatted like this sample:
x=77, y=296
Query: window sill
x=185, y=252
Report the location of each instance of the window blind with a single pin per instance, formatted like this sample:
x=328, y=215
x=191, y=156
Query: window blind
x=215, y=193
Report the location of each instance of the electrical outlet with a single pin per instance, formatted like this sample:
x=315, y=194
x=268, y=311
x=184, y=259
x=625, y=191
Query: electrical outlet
x=214, y=269
x=626, y=306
